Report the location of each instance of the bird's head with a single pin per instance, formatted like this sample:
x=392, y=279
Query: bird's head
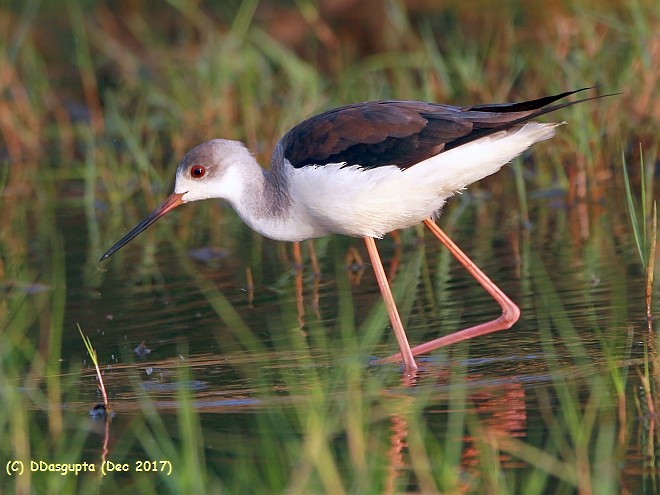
x=207, y=171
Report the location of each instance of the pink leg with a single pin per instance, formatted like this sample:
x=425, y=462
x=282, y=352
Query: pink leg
x=510, y=312
x=298, y=263
x=397, y=326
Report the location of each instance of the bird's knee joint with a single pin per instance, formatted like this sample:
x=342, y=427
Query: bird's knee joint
x=510, y=315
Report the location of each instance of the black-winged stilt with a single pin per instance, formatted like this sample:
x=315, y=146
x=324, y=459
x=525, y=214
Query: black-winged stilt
x=365, y=170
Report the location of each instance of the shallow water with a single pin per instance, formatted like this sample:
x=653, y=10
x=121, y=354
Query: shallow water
x=249, y=367
x=176, y=324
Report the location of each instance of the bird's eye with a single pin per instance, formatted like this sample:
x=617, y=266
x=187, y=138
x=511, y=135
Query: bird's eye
x=197, y=171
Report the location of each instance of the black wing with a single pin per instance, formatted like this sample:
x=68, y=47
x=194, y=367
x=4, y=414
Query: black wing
x=401, y=133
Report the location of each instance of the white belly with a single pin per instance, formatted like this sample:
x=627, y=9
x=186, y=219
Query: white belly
x=334, y=198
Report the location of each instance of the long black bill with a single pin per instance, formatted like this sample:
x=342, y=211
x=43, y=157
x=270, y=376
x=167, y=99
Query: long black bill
x=169, y=204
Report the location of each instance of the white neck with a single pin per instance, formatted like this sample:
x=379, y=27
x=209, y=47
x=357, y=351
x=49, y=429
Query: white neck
x=264, y=205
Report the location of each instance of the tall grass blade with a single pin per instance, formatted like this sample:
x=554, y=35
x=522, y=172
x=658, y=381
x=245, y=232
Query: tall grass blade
x=640, y=235
x=650, y=266
x=92, y=354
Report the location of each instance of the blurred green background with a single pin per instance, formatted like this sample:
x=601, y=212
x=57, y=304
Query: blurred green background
x=98, y=102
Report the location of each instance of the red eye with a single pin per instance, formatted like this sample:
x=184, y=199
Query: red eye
x=197, y=171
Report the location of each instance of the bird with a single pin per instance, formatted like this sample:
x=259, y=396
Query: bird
x=364, y=170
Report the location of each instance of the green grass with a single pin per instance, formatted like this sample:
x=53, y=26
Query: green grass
x=98, y=103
